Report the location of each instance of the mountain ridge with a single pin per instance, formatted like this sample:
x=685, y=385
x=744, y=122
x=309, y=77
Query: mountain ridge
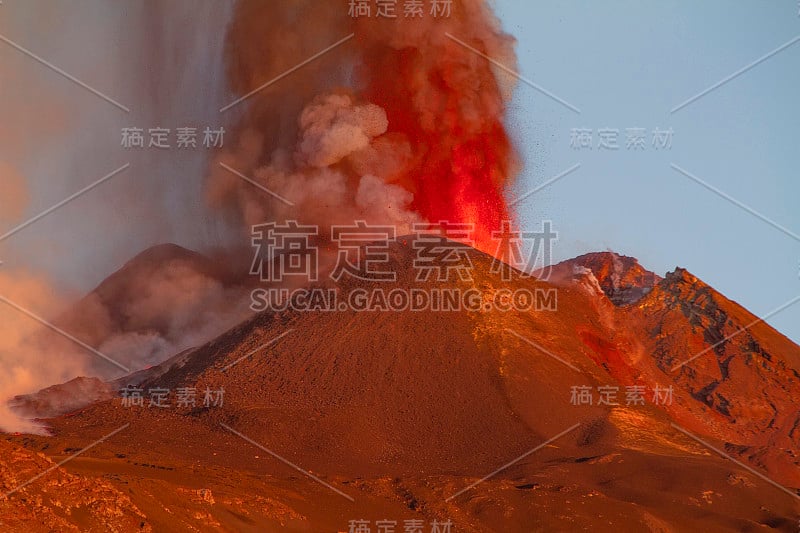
x=432, y=401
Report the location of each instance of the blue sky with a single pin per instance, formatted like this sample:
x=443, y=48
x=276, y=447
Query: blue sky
x=627, y=64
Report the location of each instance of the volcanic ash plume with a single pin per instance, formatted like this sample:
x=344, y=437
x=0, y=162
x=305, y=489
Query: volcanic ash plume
x=399, y=124
x=13, y=193
x=55, y=138
x=25, y=363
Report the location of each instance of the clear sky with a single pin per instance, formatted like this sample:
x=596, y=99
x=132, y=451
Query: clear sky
x=627, y=64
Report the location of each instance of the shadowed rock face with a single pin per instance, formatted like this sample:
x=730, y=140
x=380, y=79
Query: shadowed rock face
x=623, y=280
x=742, y=375
x=401, y=410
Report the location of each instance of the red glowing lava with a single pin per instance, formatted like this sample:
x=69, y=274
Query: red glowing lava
x=450, y=110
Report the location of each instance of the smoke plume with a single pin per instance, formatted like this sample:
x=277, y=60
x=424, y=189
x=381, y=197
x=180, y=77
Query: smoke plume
x=164, y=62
x=399, y=124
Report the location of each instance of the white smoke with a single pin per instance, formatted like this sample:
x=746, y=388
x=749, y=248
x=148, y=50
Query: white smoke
x=164, y=61
x=332, y=127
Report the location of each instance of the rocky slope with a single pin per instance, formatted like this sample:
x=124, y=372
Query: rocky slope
x=399, y=412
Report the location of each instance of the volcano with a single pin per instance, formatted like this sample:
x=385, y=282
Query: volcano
x=469, y=417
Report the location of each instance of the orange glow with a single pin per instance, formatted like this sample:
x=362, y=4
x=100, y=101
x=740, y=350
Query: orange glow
x=452, y=118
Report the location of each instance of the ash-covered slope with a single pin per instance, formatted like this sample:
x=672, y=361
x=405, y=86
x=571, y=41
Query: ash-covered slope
x=402, y=410
x=382, y=392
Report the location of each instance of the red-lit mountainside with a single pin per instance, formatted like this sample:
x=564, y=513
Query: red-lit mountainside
x=402, y=411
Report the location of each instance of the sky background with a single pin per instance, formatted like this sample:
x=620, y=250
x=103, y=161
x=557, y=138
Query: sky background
x=626, y=64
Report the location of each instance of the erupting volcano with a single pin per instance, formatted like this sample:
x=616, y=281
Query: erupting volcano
x=591, y=394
